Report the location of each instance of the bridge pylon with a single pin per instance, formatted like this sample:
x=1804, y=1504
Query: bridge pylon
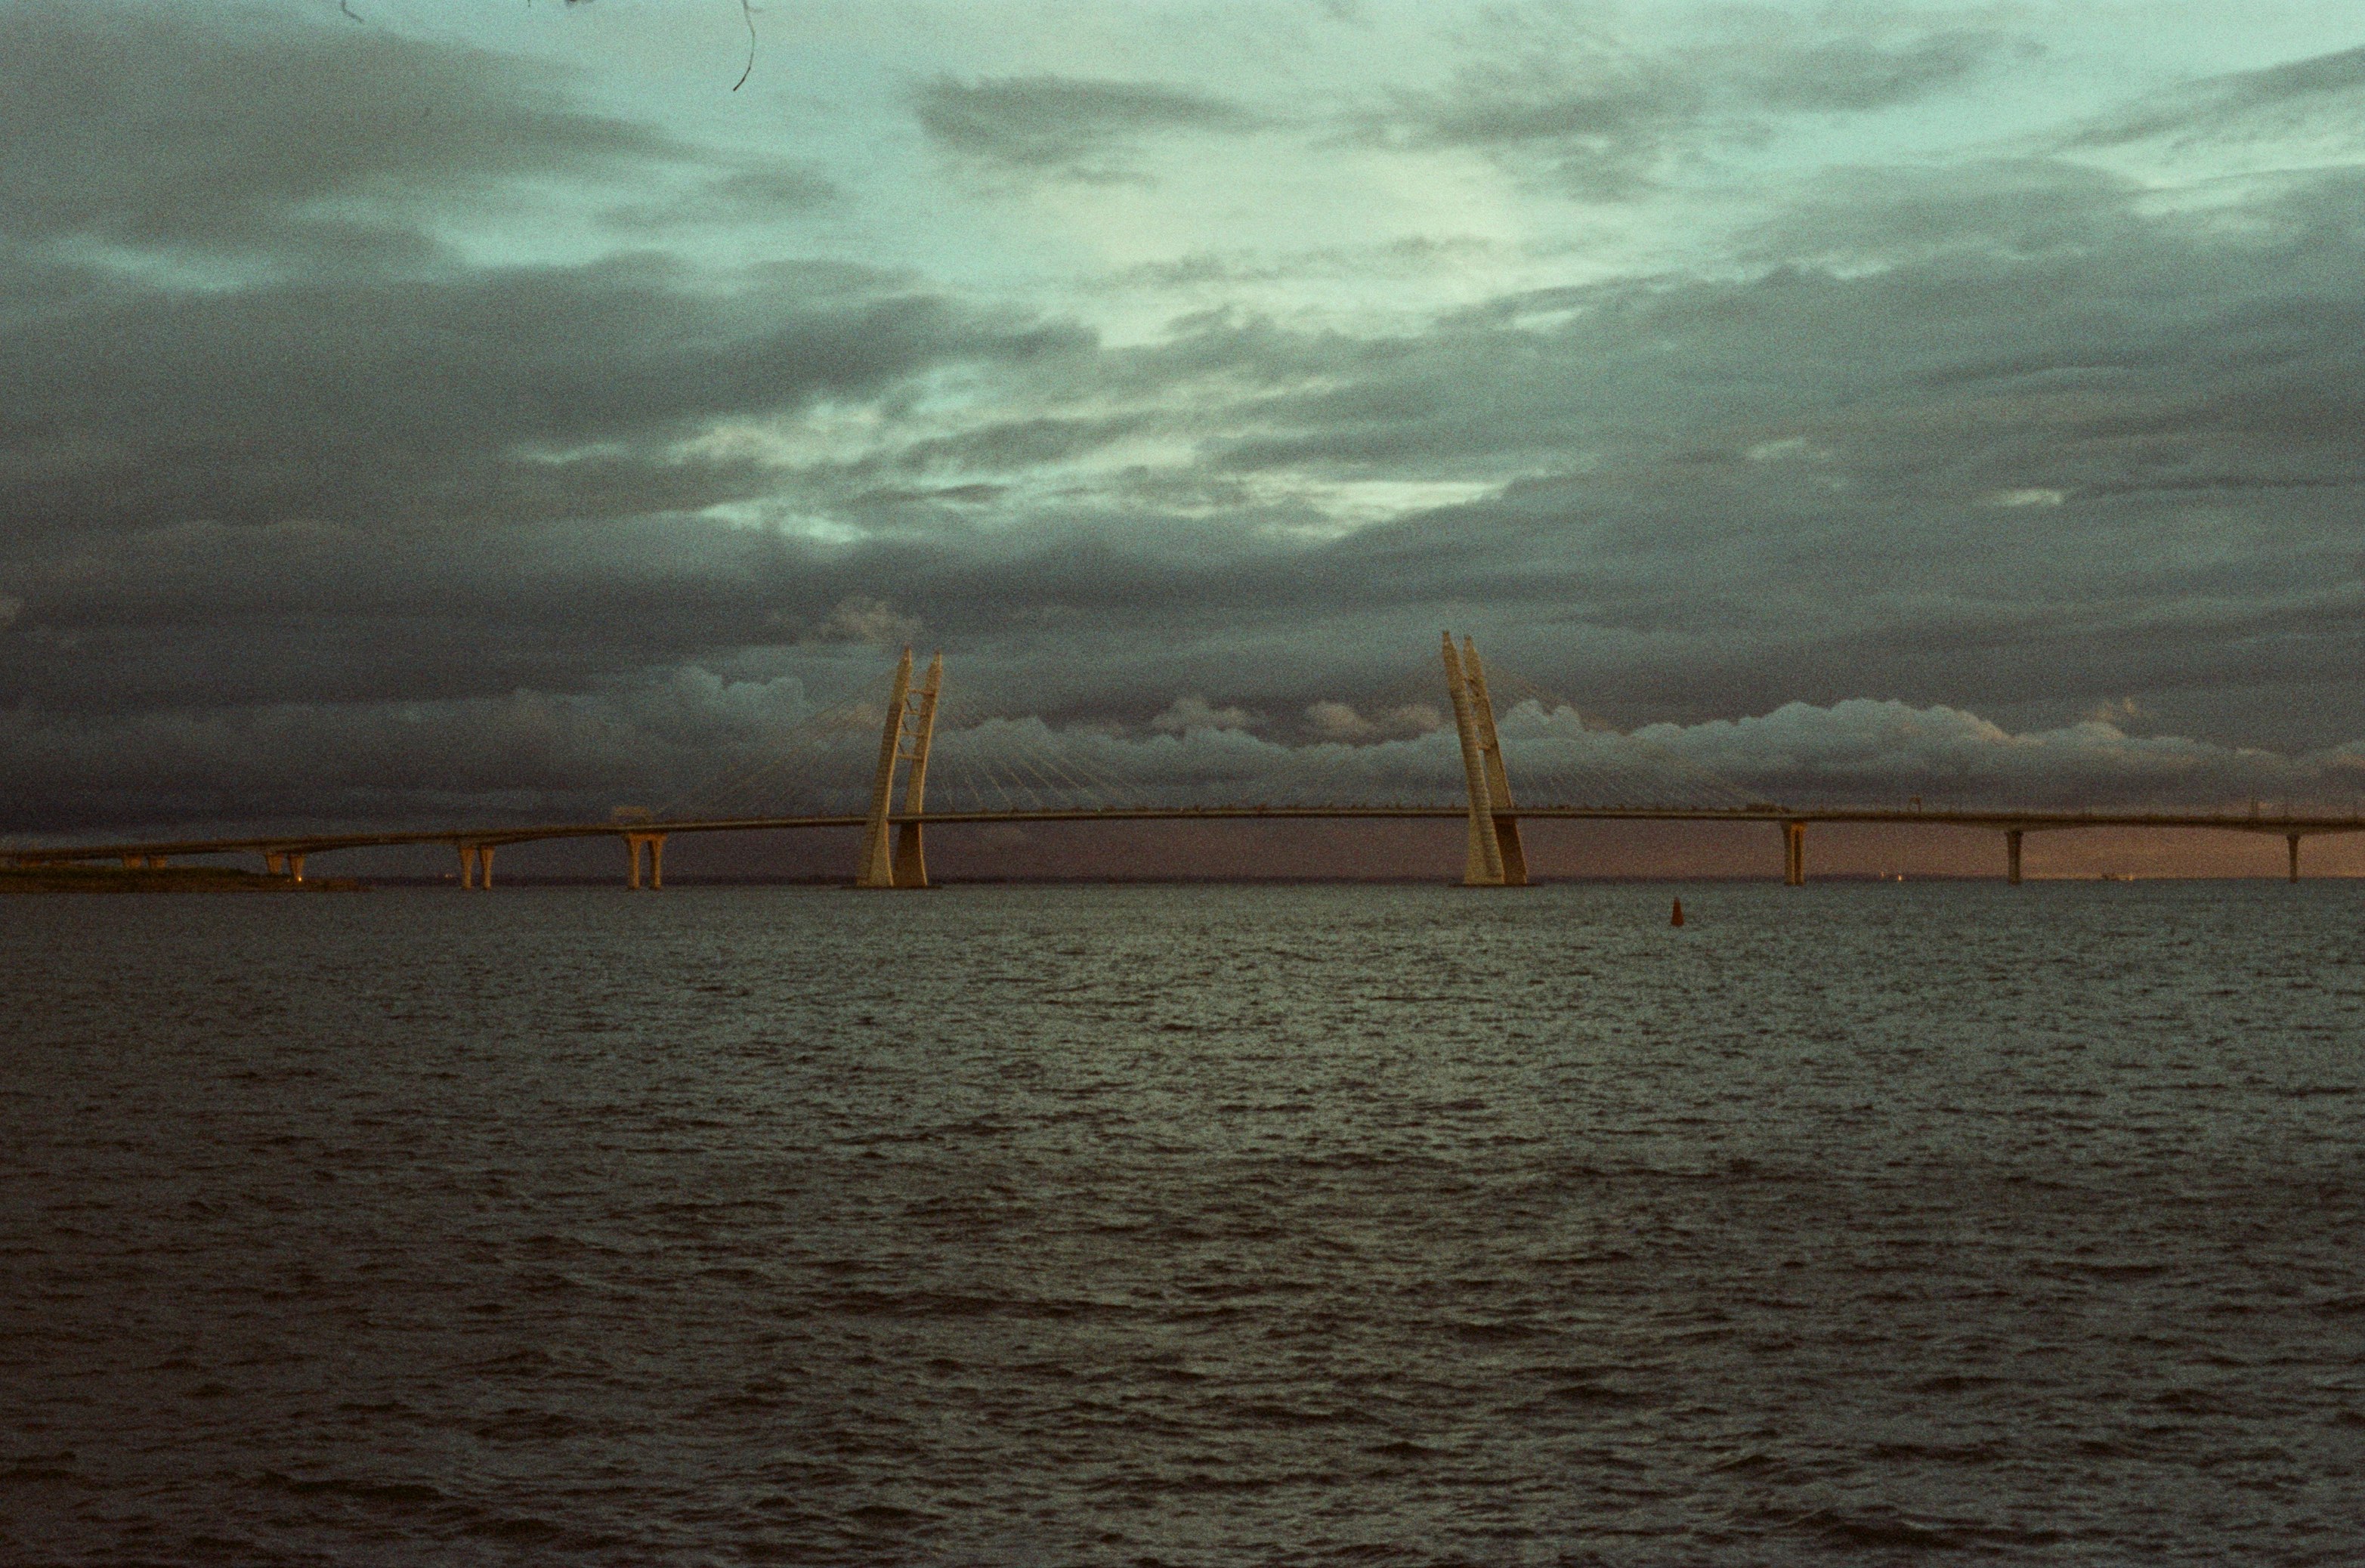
x=910, y=725
x=1495, y=859
x=911, y=864
x=1506, y=826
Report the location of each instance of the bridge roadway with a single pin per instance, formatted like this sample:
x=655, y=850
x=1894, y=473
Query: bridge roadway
x=285, y=848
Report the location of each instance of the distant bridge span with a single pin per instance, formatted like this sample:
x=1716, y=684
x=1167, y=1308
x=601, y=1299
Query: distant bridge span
x=286, y=853
x=892, y=855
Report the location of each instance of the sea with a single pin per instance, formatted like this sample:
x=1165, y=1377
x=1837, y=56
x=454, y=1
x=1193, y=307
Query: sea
x=1186, y=1225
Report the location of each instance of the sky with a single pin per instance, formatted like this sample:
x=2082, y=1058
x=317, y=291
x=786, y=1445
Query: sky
x=423, y=413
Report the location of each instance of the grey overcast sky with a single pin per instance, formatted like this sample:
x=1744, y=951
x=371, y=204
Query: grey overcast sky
x=418, y=410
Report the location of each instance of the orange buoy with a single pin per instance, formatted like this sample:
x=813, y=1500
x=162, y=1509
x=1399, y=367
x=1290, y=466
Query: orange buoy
x=1679, y=919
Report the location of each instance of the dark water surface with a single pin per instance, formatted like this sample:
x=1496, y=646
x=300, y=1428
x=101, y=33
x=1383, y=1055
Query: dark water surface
x=1189, y=1226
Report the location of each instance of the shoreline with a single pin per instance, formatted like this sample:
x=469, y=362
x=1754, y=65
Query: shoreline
x=37, y=880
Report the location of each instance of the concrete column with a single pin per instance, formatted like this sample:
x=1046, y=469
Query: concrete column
x=467, y=864
x=1482, y=867
x=633, y=848
x=2011, y=855
x=296, y=865
x=2292, y=839
x=275, y=863
x=655, y=841
x=484, y=865
x=1794, y=854
x=877, y=867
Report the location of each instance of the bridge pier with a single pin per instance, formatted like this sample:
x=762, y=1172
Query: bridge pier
x=2011, y=855
x=655, y=841
x=1794, y=854
x=2292, y=839
x=476, y=864
x=275, y=863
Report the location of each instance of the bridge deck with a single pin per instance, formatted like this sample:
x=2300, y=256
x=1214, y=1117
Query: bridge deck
x=2002, y=818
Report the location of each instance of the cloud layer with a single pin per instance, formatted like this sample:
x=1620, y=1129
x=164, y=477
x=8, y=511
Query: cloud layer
x=1559, y=98
x=411, y=418
x=1062, y=126
x=698, y=746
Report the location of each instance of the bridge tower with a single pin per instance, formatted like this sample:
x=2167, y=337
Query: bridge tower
x=911, y=864
x=911, y=717
x=1505, y=825
x=1495, y=858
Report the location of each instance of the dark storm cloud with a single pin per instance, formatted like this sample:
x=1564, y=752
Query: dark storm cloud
x=2047, y=449
x=2004, y=209
x=392, y=387
x=1605, y=119
x=1977, y=472
x=2040, y=336
x=1068, y=126
x=392, y=474
x=230, y=131
x=2325, y=94
x=523, y=393
x=753, y=193
x=1008, y=444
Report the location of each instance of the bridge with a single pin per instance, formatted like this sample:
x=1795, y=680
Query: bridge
x=1018, y=772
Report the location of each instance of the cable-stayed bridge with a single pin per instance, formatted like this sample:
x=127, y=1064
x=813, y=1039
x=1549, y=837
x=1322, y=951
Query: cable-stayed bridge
x=901, y=756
